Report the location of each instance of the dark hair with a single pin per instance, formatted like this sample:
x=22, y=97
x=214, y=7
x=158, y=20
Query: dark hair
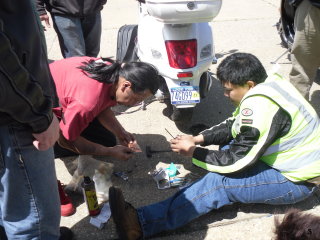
x=142, y=75
x=298, y=226
x=239, y=68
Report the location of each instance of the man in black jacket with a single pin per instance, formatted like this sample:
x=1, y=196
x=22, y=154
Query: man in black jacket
x=29, y=202
x=305, y=54
x=269, y=157
x=77, y=24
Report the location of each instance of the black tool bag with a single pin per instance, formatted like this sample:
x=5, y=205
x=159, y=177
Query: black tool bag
x=126, y=43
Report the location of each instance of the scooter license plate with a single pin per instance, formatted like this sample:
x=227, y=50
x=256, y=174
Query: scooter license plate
x=185, y=95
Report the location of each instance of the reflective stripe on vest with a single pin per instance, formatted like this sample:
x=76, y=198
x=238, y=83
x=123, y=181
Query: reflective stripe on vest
x=300, y=137
x=300, y=147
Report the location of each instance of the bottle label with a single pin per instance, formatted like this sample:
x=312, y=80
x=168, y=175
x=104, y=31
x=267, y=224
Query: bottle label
x=92, y=201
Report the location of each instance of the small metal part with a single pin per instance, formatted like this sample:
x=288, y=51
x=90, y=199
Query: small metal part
x=169, y=133
x=191, y=5
x=122, y=175
x=150, y=152
x=275, y=61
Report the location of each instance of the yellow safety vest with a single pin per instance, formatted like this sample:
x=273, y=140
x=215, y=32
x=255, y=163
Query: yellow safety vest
x=297, y=154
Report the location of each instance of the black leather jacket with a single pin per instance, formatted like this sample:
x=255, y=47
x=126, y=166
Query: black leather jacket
x=26, y=84
x=242, y=144
x=295, y=3
x=74, y=8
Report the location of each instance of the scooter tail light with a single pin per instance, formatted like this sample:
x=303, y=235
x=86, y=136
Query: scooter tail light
x=185, y=74
x=182, y=54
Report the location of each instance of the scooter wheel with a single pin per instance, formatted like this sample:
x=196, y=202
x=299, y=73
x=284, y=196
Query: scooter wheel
x=181, y=114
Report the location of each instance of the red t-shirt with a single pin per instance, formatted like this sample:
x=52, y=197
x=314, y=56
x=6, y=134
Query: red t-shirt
x=82, y=98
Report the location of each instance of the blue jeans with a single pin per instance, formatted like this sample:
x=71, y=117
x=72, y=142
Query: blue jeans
x=29, y=199
x=78, y=36
x=259, y=184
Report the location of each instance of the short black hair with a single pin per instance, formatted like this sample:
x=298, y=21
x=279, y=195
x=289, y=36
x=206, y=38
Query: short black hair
x=239, y=68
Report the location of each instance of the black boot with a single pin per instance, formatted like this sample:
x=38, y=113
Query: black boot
x=65, y=234
x=124, y=216
x=3, y=235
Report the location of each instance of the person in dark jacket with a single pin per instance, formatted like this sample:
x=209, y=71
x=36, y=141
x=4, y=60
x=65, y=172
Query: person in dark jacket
x=305, y=53
x=77, y=24
x=29, y=199
x=272, y=156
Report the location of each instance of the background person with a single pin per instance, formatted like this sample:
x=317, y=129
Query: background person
x=273, y=155
x=77, y=24
x=305, y=53
x=29, y=200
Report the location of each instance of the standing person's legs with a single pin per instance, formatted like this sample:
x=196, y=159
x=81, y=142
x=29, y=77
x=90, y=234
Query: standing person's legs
x=259, y=184
x=305, y=54
x=91, y=27
x=70, y=35
x=28, y=191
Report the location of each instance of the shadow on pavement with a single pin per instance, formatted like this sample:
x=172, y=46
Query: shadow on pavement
x=212, y=110
x=227, y=215
x=315, y=100
x=141, y=189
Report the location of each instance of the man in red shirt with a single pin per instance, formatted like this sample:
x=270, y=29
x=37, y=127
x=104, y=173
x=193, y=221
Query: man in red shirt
x=87, y=88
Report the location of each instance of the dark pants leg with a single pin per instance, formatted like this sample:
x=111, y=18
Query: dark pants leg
x=91, y=27
x=96, y=133
x=70, y=35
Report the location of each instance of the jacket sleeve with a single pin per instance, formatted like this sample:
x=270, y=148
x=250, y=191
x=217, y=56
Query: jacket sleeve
x=25, y=91
x=40, y=6
x=255, y=134
x=219, y=134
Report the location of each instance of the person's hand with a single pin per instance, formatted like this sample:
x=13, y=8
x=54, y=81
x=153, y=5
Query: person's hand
x=184, y=145
x=47, y=139
x=121, y=152
x=125, y=138
x=134, y=146
x=46, y=19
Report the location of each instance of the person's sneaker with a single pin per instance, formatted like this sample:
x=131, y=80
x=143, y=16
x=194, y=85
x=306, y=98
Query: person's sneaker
x=67, y=208
x=65, y=233
x=124, y=216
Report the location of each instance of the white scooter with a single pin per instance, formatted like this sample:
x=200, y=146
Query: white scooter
x=176, y=37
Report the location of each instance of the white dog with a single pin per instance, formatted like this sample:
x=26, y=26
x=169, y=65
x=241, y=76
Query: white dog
x=97, y=170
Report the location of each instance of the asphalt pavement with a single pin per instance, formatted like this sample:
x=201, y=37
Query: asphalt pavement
x=241, y=26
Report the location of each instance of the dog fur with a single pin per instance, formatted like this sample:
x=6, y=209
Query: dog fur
x=100, y=172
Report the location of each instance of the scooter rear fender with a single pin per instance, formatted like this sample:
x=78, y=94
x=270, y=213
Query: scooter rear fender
x=152, y=36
